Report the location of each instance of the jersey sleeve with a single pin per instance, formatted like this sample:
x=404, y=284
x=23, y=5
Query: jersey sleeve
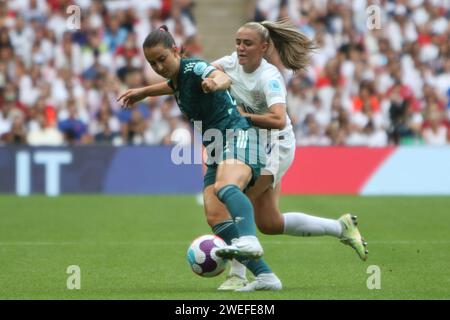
x=273, y=87
x=227, y=62
x=202, y=69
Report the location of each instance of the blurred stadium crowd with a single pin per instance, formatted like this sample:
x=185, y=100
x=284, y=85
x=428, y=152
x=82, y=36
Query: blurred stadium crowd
x=365, y=87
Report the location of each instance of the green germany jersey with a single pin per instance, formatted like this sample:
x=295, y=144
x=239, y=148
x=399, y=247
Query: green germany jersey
x=215, y=110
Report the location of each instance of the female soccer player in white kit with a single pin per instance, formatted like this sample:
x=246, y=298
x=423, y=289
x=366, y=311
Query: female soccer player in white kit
x=259, y=90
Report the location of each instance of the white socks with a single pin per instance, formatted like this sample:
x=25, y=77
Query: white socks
x=300, y=225
x=237, y=268
x=303, y=225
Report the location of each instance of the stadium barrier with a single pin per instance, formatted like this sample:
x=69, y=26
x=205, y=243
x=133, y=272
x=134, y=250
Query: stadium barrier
x=411, y=170
x=95, y=169
x=406, y=170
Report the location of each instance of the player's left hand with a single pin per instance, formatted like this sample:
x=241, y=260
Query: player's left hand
x=209, y=85
x=132, y=96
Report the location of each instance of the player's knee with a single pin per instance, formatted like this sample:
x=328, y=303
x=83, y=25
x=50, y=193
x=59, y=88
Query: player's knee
x=267, y=228
x=270, y=227
x=215, y=217
x=211, y=220
x=217, y=186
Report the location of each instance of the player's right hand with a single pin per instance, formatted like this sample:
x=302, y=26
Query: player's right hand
x=209, y=85
x=131, y=96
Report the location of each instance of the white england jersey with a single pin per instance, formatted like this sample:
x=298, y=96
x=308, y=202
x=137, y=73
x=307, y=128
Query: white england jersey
x=256, y=91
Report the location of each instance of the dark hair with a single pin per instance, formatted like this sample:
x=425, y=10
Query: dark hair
x=159, y=36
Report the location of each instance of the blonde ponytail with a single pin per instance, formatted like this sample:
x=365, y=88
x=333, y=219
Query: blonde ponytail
x=293, y=47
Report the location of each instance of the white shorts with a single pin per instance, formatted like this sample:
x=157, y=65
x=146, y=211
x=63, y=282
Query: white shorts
x=279, y=156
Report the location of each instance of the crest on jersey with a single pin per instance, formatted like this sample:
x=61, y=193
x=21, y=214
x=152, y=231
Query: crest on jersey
x=200, y=68
x=274, y=86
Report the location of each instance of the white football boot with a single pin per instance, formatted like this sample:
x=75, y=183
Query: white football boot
x=264, y=281
x=242, y=247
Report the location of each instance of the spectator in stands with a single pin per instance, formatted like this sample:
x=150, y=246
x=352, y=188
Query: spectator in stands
x=312, y=134
x=73, y=128
x=114, y=35
x=436, y=131
x=134, y=130
x=17, y=133
x=22, y=37
x=5, y=41
x=44, y=133
x=179, y=131
x=158, y=124
x=10, y=112
x=106, y=127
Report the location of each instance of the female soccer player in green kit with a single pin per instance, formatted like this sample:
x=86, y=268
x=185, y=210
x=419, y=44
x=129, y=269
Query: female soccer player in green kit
x=200, y=91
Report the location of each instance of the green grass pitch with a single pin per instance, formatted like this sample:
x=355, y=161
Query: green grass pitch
x=134, y=247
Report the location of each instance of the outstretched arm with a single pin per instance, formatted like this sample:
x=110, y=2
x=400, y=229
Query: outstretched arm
x=132, y=96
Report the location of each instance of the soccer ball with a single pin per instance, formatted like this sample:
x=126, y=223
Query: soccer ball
x=202, y=258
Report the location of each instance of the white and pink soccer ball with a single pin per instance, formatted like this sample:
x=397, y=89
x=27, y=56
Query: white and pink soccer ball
x=202, y=258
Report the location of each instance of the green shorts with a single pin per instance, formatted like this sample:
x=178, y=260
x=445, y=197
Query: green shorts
x=241, y=144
